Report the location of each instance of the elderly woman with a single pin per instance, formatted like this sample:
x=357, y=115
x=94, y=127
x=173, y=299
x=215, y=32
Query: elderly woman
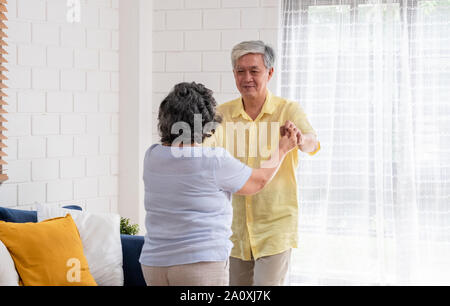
x=188, y=191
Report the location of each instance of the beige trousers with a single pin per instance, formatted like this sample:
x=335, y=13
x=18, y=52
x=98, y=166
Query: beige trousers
x=265, y=271
x=197, y=274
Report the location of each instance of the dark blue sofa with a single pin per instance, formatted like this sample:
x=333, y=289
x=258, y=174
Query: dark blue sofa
x=131, y=245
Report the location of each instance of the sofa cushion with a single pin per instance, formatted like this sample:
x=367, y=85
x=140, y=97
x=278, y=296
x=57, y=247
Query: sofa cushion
x=131, y=248
x=100, y=234
x=17, y=216
x=24, y=216
x=8, y=273
x=48, y=253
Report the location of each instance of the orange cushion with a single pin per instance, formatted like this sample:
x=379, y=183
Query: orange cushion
x=49, y=253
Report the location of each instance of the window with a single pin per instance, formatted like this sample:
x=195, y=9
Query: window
x=374, y=78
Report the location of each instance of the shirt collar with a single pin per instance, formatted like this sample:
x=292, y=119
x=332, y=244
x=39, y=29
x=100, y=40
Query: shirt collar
x=268, y=107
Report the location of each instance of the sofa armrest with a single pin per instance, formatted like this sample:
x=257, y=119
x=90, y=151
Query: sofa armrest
x=131, y=251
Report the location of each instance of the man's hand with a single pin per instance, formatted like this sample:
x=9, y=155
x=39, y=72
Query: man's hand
x=300, y=138
x=290, y=125
x=289, y=139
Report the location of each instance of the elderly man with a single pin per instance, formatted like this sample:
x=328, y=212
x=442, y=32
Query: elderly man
x=265, y=224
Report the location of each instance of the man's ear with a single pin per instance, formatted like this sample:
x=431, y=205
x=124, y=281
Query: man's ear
x=270, y=73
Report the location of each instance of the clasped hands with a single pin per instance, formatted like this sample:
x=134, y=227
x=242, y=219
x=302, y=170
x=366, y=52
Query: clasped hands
x=288, y=129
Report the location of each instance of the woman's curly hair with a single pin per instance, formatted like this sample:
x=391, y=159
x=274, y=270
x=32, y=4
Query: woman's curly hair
x=181, y=105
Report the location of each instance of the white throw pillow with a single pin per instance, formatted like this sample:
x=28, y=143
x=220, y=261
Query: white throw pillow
x=100, y=235
x=8, y=273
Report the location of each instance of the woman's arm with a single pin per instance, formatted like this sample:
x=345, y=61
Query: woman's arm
x=261, y=176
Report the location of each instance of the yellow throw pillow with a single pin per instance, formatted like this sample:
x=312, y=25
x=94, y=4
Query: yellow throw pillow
x=49, y=253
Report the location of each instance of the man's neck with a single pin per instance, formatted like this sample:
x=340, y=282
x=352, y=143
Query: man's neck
x=254, y=106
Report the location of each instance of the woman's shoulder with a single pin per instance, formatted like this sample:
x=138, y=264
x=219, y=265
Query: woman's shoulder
x=151, y=148
x=200, y=154
x=215, y=152
x=220, y=156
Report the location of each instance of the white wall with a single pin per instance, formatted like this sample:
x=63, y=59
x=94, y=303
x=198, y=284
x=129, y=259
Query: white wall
x=63, y=105
x=64, y=90
x=192, y=40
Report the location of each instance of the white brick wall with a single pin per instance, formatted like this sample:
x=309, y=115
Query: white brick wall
x=64, y=83
x=63, y=105
x=192, y=40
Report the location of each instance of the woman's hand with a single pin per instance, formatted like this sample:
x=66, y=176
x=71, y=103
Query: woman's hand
x=291, y=137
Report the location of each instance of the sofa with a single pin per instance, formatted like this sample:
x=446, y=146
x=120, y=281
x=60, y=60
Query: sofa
x=131, y=245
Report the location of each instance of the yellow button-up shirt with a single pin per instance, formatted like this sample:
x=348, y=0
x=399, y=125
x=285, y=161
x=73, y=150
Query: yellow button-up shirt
x=264, y=224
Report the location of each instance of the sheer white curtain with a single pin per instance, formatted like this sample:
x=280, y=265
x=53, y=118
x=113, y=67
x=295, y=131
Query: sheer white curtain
x=374, y=78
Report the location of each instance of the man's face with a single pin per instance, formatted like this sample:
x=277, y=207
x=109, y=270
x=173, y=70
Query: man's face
x=252, y=76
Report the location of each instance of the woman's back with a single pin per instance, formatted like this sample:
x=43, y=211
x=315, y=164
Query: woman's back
x=188, y=204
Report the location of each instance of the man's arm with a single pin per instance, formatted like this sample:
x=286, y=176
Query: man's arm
x=308, y=142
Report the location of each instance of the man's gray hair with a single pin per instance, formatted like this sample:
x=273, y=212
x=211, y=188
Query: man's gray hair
x=253, y=46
